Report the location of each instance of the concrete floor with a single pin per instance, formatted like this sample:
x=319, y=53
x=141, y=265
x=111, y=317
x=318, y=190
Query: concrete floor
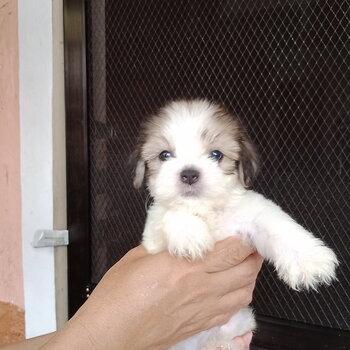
x=11, y=324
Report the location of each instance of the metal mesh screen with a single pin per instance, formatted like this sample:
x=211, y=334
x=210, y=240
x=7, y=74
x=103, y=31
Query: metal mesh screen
x=282, y=66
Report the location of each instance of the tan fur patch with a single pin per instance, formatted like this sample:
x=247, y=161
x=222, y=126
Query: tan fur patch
x=221, y=131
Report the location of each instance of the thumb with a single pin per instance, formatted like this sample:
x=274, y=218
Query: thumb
x=244, y=340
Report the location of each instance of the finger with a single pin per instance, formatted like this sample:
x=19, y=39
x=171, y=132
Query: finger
x=244, y=340
x=236, y=300
x=220, y=319
x=239, y=276
x=227, y=253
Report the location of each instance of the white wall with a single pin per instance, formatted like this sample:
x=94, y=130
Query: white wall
x=37, y=79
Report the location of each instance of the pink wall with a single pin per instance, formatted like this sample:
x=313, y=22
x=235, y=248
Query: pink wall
x=11, y=275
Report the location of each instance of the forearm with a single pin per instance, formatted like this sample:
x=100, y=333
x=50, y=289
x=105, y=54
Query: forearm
x=72, y=336
x=146, y=301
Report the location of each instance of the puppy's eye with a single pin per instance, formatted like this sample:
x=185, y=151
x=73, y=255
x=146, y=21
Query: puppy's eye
x=165, y=155
x=216, y=155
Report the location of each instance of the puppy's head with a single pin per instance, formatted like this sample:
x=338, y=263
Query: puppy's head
x=194, y=150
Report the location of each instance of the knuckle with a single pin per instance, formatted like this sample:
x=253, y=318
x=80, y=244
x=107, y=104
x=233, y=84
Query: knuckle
x=234, y=256
x=249, y=299
x=220, y=319
x=250, y=274
x=246, y=296
x=249, y=294
x=252, y=268
x=258, y=259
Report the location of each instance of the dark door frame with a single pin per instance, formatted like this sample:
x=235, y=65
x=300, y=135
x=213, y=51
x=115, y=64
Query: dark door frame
x=271, y=333
x=77, y=154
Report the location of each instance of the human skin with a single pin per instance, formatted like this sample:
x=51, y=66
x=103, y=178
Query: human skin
x=152, y=302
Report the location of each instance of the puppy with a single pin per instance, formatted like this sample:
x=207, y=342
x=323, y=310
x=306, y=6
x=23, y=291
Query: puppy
x=199, y=164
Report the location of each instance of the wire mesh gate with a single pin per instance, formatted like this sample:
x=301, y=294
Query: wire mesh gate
x=282, y=66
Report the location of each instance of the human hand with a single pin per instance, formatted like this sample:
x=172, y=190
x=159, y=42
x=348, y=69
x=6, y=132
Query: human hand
x=154, y=301
x=244, y=340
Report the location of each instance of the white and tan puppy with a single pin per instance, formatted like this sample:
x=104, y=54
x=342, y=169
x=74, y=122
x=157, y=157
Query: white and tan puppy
x=198, y=164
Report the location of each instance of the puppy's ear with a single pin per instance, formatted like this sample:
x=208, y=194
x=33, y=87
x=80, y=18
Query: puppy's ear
x=248, y=166
x=138, y=169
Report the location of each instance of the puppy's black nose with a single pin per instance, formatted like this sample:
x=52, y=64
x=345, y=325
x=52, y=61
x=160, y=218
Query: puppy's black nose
x=189, y=176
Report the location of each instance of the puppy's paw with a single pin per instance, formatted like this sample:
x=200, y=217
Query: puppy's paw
x=313, y=266
x=187, y=235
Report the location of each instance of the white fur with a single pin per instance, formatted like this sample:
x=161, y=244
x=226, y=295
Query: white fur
x=188, y=219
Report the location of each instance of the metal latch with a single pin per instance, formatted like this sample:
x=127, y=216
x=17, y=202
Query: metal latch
x=50, y=238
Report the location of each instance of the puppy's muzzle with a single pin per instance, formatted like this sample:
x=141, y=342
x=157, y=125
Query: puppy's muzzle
x=189, y=176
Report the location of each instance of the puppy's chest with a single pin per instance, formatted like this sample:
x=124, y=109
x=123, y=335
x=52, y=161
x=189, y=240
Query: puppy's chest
x=227, y=221
x=231, y=222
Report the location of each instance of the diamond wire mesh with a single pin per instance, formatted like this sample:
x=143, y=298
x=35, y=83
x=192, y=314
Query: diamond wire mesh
x=282, y=66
